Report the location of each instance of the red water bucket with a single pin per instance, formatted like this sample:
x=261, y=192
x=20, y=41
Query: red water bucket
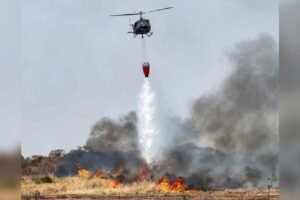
x=146, y=69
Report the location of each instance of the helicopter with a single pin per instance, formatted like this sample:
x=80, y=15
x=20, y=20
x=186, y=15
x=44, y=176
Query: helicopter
x=142, y=26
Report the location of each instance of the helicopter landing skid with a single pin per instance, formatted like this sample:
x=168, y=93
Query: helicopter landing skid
x=149, y=34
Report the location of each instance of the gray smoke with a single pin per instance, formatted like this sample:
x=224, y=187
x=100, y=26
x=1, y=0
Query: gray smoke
x=111, y=135
x=231, y=138
x=242, y=115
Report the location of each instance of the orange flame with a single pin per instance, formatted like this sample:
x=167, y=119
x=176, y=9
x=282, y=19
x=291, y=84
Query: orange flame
x=166, y=185
x=115, y=184
x=178, y=185
x=82, y=172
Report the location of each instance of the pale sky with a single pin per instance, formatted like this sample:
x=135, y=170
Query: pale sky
x=79, y=64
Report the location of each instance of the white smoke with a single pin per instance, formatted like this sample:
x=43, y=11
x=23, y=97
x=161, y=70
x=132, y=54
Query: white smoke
x=148, y=129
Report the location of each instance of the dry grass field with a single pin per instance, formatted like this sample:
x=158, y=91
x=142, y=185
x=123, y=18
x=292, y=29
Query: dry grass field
x=99, y=188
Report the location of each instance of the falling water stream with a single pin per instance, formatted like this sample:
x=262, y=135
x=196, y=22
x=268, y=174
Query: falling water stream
x=147, y=126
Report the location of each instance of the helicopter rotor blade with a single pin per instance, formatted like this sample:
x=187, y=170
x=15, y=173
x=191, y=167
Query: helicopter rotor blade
x=125, y=14
x=140, y=13
x=128, y=14
x=159, y=9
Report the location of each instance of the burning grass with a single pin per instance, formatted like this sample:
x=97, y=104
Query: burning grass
x=101, y=187
x=141, y=185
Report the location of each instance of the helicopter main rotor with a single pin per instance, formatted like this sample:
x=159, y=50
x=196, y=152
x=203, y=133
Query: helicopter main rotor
x=141, y=12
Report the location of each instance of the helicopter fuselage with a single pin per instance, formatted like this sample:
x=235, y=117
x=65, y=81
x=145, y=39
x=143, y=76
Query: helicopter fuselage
x=141, y=27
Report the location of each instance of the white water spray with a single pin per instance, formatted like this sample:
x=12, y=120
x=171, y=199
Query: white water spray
x=147, y=126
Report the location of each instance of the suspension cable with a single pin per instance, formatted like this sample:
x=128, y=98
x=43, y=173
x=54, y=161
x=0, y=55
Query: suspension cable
x=144, y=50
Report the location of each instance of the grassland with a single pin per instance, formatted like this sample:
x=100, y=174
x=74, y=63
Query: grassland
x=99, y=188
